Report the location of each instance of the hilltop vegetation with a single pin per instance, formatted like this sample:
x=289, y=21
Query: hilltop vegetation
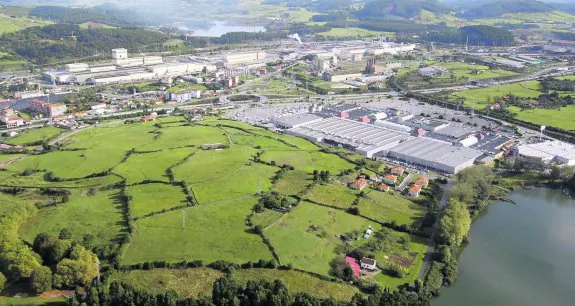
x=71, y=15
x=401, y=8
x=498, y=8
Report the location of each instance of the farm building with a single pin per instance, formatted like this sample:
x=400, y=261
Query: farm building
x=435, y=154
x=368, y=264
x=363, y=138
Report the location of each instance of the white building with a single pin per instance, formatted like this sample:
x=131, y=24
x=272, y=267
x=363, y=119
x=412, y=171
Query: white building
x=247, y=57
x=548, y=152
x=368, y=264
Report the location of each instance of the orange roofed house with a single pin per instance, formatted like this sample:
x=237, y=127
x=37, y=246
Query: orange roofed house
x=383, y=187
x=359, y=184
x=397, y=170
x=422, y=181
x=414, y=191
x=390, y=179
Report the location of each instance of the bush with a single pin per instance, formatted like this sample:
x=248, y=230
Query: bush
x=41, y=279
x=2, y=281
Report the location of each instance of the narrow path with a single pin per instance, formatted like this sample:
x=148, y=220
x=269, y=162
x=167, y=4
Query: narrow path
x=429, y=253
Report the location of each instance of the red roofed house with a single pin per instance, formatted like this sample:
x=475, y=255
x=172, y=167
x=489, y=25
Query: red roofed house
x=365, y=119
x=383, y=187
x=422, y=181
x=397, y=170
x=353, y=265
x=343, y=115
x=147, y=118
x=414, y=191
x=390, y=179
x=359, y=184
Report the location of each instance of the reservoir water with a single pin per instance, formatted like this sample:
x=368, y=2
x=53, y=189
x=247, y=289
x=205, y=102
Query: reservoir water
x=520, y=254
x=219, y=28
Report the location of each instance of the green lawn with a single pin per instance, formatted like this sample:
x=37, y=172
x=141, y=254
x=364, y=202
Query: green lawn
x=478, y=98
x=34, y=135
x=99, y=215
x=137, y=167
x=337, y=195
x=350, y=32
x=32, y=301
x=181, y=136
x=464, y=70
x=212, y=232
x=266, y=217
x=562, y=118
x=187, y=283
x=299, y=282
x=308, y=161
x=150, y=198
x=306, y=237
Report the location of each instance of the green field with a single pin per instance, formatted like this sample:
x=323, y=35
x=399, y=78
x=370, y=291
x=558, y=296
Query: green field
x=308, y=161
x=293, y=183
x=306, y=237
x=464, y=70
x=350, y=32
x=34, y=135
x=561, y=118
x=211, y=232
x=299, y=282
x=99, y=215
x=334, y=195
x=149, y=198
x=17, y=23
x=385, y=207
x=187, y=283
x=137, y=167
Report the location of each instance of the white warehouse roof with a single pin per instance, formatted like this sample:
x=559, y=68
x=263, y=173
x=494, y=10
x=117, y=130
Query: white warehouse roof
x=435, y=154
x=547, y=151
x=362, y=137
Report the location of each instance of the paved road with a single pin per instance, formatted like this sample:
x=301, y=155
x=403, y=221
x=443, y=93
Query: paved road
x=429, y=253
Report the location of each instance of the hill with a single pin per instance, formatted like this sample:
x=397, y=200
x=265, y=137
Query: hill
x=400, y=8
x=495, y=9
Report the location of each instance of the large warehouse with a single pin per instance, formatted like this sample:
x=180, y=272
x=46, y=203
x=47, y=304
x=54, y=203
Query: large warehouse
x=361, y=137
x=548, y=152
x=435, y=154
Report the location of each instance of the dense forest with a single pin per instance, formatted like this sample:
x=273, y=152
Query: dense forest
x=401, y=8
x=498, y=8
x=81, y=15
x=477, y=35
x=60, y=42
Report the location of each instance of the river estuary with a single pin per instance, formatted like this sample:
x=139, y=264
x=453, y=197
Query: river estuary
x=520, y=254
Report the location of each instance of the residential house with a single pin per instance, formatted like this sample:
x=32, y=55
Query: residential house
x=353, y=265
x=359, y=184
x=422, y=181
x=13, y=122
x=414, y=191
x=383, y=187
x=368, y=264
x=147, y=118
x=397, y=170
x=390, y=179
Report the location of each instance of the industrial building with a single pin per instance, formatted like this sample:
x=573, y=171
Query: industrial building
x=126, y=69
x=243, y=58
x=435, y=154
x=366, y=139
x=296, y=121
x=548, y=152
x=185, y=95
x=47, y=109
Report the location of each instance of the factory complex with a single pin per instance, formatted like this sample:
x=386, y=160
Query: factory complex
x=548, y=152
x=407, y=139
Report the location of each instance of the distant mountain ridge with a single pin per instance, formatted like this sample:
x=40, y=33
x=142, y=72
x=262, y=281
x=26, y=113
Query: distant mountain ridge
x=400, y=8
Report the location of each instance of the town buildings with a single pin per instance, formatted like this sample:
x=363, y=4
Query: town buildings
x=46, y=109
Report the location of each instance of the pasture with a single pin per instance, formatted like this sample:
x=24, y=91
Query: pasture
x=465, y=70
x=293, y=183
x=334, y=195
x=385, y=207
x=138, y=166
x=208, y=232
x=34, y=135
x=308, y=161
x=150, y=198
x=187, y=283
